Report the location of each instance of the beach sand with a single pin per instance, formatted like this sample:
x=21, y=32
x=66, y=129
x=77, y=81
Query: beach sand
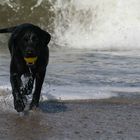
x=108, y=119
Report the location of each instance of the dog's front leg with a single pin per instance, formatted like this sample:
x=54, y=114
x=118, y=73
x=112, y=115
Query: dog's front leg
x=38, y=85
x=16, y=84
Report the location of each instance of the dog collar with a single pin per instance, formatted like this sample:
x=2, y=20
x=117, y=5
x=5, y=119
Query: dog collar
x=30, y=60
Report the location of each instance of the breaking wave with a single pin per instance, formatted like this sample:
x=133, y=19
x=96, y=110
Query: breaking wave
x=99, y=25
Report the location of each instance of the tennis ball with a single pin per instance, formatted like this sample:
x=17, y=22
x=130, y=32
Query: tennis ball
x=30, y=60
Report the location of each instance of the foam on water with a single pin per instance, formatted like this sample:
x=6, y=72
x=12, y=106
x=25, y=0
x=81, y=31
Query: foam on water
x=56, y=93
x=65, y=93
x=99, y=25
x=6, y=99
x=92, y=24
x=76, y=93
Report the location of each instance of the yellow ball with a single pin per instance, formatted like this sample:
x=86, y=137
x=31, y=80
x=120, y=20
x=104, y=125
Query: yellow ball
x=30, y=60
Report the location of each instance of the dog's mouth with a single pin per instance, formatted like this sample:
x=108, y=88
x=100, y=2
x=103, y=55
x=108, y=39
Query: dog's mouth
x=30, y=61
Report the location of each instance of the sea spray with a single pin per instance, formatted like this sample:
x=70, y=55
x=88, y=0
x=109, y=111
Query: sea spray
x=92, y=24
x=99, y=25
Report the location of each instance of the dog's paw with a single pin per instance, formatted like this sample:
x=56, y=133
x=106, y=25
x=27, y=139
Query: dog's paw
x=19, y=105
x=33, y=105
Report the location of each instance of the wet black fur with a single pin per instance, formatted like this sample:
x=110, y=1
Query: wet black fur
x=27, y=40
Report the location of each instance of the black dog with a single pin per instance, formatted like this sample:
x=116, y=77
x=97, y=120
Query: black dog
x=29, y=57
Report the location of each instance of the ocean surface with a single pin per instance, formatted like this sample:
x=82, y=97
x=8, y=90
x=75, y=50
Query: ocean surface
x=94, y=51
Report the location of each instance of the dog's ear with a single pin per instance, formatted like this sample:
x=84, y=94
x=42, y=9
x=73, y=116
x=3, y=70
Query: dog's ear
x=45, y=37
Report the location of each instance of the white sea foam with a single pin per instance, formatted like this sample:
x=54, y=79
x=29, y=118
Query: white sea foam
x=94, y=24
x=76, y=93
x=99, y=25
x=6, y=99
x=37, y=4
x=87, y=93
x=62, y=93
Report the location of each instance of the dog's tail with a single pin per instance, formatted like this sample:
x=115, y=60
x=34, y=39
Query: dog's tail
x=8, y=30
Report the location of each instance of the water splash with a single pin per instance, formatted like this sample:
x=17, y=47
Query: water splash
x=98, y=24
x=94, y=24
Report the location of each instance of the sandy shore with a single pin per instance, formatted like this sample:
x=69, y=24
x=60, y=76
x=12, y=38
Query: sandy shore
x=112, y=119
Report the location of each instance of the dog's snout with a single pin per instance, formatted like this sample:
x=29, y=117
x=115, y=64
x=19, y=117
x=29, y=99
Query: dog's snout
x=30, y=52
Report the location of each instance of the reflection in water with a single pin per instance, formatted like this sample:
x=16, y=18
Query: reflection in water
x=32, y=127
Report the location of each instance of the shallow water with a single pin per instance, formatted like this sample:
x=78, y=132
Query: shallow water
x=83, y=74
x=90, y=72
x=87, y=74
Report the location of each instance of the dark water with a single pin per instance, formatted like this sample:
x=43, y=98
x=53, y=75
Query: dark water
x=17, y=12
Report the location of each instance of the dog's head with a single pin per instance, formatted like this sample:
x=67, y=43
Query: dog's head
x=32, y=42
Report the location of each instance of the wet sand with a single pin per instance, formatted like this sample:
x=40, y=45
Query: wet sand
x=112, y=119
